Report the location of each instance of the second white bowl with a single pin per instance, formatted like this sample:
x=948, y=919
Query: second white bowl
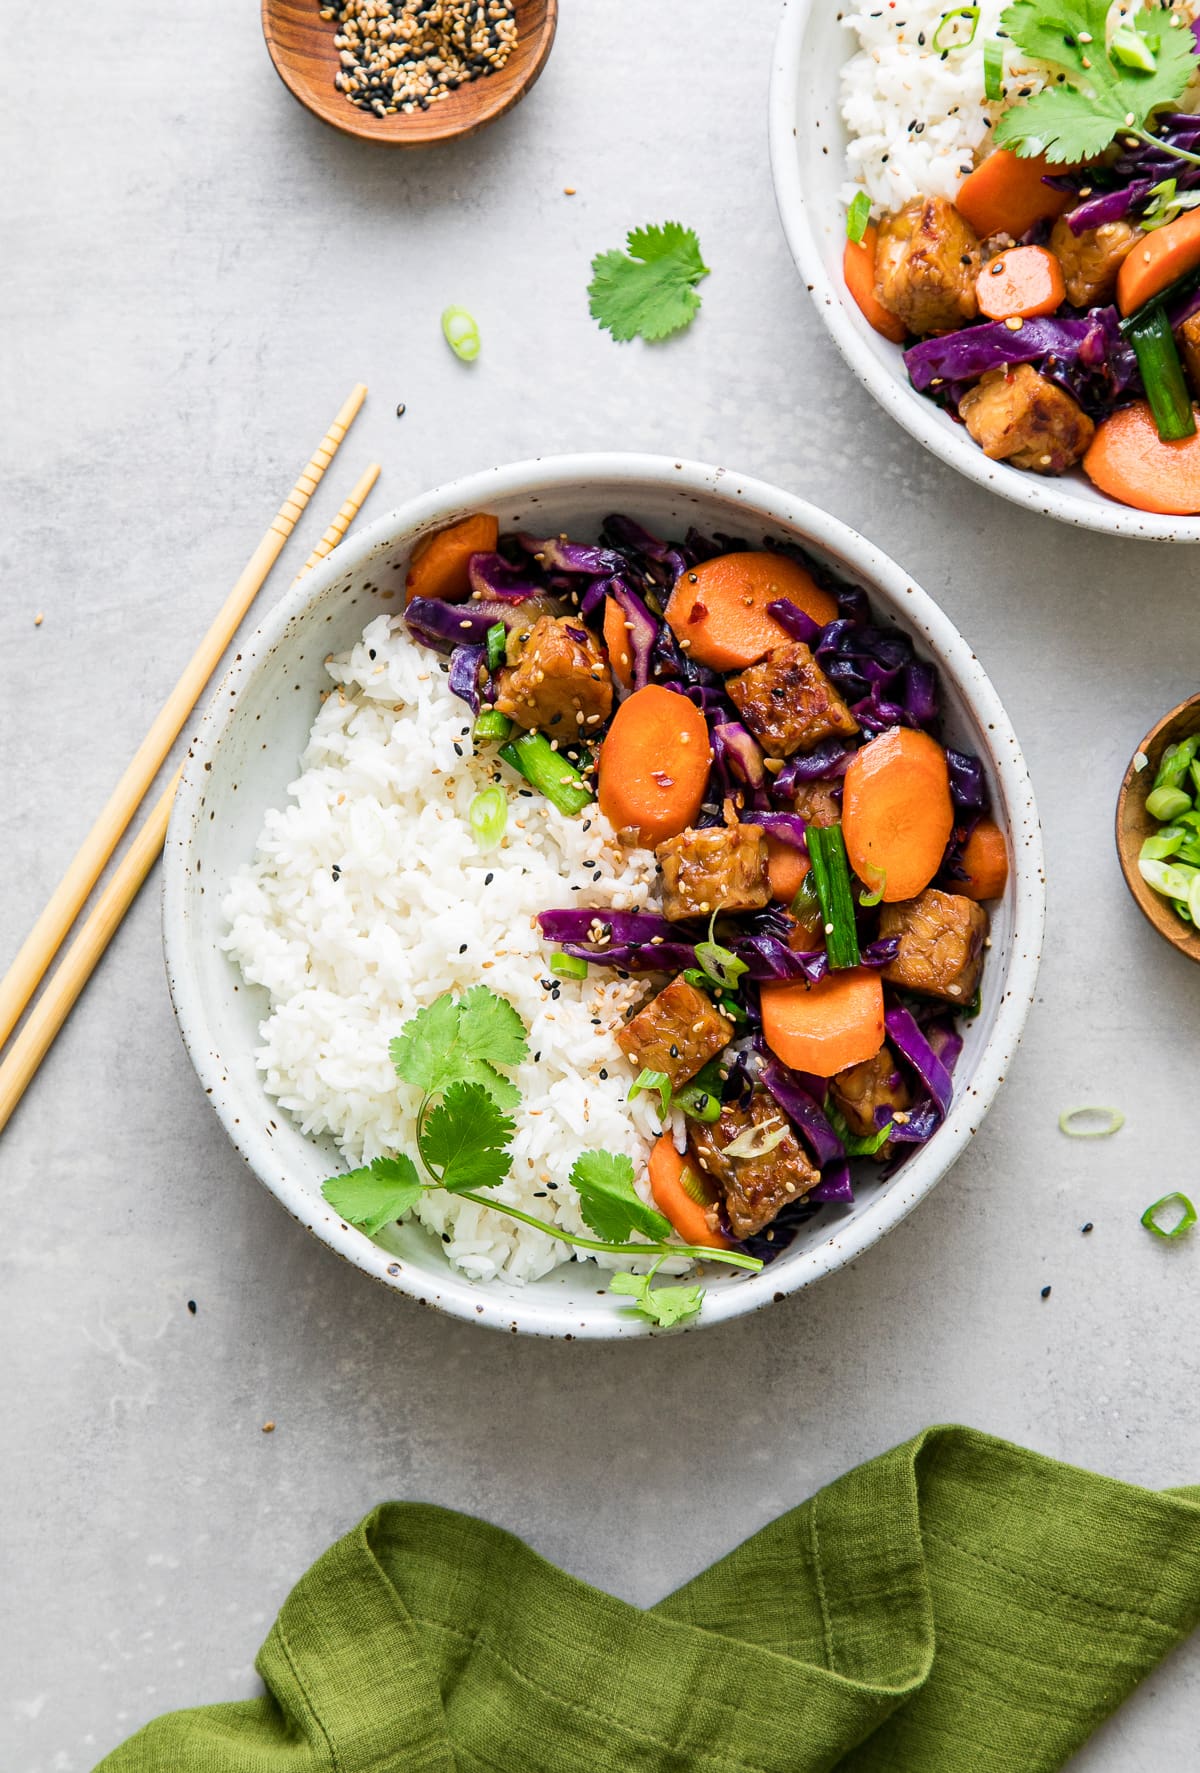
x=808, y=147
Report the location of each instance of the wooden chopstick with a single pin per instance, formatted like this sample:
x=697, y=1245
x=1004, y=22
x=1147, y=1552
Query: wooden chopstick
x=355, y=501
x=68, y=897
x=81, y=958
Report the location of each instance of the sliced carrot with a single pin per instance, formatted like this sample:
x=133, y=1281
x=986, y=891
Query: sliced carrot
x=985, y=862
x=824, y=1028
x=682, y=1193
x=1157, y=260
x=1022, y=283
x=1005, y=194
x=897, y=814
x=654, y=765
x=858, y=270
x=718, y=610
x=438, y=567
x=616, y=640
x=786, y=869
x=1129, y=461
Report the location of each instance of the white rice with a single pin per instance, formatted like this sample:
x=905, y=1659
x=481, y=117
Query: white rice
x=915, y=121
x=416, y=911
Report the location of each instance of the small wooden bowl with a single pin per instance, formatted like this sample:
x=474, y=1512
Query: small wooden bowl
x=300, y=42
x=1134, y=825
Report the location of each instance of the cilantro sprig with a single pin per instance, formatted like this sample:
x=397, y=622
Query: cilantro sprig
x=648, y=291
x=1110, y=87
x=665, y=1306
x=451, y=1051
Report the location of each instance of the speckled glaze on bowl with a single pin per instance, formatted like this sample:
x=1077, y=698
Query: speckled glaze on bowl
x=246, y=752
x=808, y=141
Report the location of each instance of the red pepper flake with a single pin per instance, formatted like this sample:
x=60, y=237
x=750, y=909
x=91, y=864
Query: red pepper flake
x=698, y=612
x=662, y=778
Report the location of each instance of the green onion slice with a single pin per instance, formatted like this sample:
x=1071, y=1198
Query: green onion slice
x=460, y=330
x=993, y=69
x=831, y=878
x=543, y=768
x=950, y=20
x=1164, y=842
x=1131, y=50
x=497, y=641
x=1176, y=761
x=756, y=1141
x=1111, y=1119
x=867, y=900
x=858, y=216
x=492, y=725
x=653, y=1080
x=699, y=1104
x=1162, y=374
x=1186, y=1220
x=568, y=966
x=1171, y=882
x=853, y=1143
x=487, y=816
x=1168, y=803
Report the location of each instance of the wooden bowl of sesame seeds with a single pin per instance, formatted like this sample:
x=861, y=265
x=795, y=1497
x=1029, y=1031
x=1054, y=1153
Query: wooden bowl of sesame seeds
x=409, y=73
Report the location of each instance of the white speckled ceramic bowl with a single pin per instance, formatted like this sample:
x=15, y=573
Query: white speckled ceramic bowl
x=245, y=754
x=807, y=139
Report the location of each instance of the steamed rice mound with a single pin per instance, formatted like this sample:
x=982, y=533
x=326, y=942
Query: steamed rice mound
x=368, y=898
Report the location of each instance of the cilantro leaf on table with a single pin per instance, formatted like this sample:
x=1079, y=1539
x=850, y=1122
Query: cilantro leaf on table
x=648, y=291
x=1101, y=96
x=371, y=1197
x=662, y=1305
x=464, y=1140
x=608, y=1200
x=462, y=1042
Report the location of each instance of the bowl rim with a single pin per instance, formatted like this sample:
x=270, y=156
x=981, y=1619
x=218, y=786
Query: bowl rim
x=362, y=126
x=902, y=600
x=919, y=417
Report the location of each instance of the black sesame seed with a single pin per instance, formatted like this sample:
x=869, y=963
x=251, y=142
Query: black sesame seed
x=463, y=949
x=192, y=1306
x=1087, y=1228
x=1045, y=1292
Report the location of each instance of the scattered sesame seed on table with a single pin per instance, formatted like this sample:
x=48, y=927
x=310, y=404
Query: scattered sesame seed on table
x=405, y=55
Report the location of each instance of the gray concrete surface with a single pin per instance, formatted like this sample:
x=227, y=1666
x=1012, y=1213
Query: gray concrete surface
x=193, y=273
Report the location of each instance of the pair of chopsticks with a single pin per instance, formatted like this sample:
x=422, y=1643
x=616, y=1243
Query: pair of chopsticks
x=67, y=900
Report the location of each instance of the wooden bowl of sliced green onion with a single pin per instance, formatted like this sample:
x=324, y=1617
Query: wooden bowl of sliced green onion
x=1158, y=827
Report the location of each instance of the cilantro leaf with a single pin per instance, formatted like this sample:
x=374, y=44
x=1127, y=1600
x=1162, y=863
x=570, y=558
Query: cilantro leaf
x=463, y=1042
x=1101, y=96
x=464, y=1141
x=373, y=1196
x=489, y=1028
x=608, y=1201
x=662, y=1305
x=648, y=290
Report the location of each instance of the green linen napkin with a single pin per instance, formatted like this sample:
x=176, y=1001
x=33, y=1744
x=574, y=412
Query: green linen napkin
x=958, y=1605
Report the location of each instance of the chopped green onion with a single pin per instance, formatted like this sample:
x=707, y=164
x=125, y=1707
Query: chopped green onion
x=1163, y=842
x=867, y=900
x=653, y=1080
x=1193, y=900
x=497, y=641
x=461, y=332
x=699, y=1104
x=853, y=1143
x=1172, y=883
x=543, y=768
x=568, y=966
x=1162, y=374
x=728, y=1006
x=993, y=69
x=1175, y=762
x=487, y=816
x=831, y=878
x=1167, y=803
x=1186, y=1220
x=492, y=725
x=1131, y=50
x=956, y=42
x=1111, y=1121
x=857, y=217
